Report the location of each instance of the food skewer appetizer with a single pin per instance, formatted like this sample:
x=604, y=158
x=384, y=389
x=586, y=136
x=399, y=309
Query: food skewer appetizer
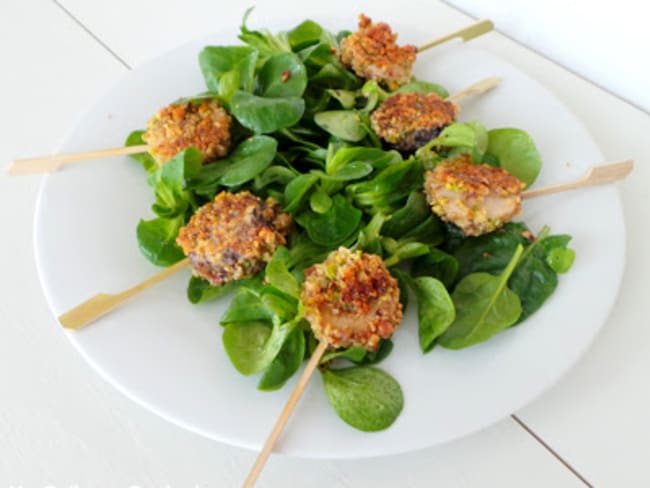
x=479, y=198
x=206, y=125
x=350, y=299
x=198, y=241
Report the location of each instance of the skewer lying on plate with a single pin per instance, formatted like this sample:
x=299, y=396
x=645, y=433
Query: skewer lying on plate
x=49, y=164
x=338, y=320
x=99, y=305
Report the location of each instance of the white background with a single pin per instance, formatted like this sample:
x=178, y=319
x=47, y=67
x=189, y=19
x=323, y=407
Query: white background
x=61, y=425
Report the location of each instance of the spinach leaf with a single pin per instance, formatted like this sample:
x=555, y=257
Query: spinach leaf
x=414, y=212
x=282, y=75
x=246, y=306
x=560, y=260
x=252, y=346
x=437, y=264
x=516, y=153
x=491, y=252
x=345, y=124
x=378, y=355
x=248, y=160
x=265, y=115
x=334, y=226
x=347, y=98
x=343, y=156
x=436, y=310
x=274, y=174
x=364, y=397
x=484, y=306
x=320, y=202
x=354, y=354
x=236, y=61
x=305, y=34
x=145, y=159
x=296, y=190
x=200, y=290
x=168, y=183
x=264, y=41
x=286, y=363
x=351, y=171
x=389, y=186
x=278, y=275
x=157, y=240
x=405, y=251
x=423, y=87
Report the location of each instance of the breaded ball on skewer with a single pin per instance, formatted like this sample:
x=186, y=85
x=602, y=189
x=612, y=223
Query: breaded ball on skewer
x=351, y=299
x=476, y=197
x=233, y=237
x=410, y=120
x=202, y=124
x=372, y=54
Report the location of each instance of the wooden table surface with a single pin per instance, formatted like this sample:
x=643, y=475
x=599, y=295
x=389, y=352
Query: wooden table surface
x=63, y=426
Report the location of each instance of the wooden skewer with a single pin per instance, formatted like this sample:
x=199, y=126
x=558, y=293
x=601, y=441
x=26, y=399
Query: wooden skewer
x=470, y=32
x=596, y=175
x=477, y=88
x=101, y=304
x=284, y=415
x=49, y=164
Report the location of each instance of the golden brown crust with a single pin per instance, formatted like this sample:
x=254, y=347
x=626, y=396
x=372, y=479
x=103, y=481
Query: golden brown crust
x=476, y=197
x=351, y=299
x=233, y=237
x=372, y=54
x=205, y=126
x=410, y=120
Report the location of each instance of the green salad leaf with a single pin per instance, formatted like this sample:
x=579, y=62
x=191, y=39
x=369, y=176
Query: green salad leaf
x=484, y=306
x=282, y=75
x=265, y=115
x=145, y=159
x=365, y=397
x=286, y=363
x=516, y=152
x=157, y=240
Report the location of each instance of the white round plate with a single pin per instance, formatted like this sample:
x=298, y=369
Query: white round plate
x=167, y=355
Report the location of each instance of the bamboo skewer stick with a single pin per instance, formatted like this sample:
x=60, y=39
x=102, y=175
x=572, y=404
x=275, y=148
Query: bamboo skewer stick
x=284, y=415
x=49, y=164
x=477, y=88
x=467, y=33
x=101, y=304
x=596, y=175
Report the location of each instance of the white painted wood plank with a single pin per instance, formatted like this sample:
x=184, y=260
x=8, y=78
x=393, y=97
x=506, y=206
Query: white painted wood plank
x=601, y=41
x=597, y=416
x=60, y=425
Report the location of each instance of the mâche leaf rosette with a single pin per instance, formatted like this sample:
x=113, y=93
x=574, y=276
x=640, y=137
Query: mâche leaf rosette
x=294, y=160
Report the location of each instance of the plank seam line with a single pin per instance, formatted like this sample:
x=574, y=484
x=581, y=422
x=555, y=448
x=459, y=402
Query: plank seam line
x=92, y=34
x=554, y=453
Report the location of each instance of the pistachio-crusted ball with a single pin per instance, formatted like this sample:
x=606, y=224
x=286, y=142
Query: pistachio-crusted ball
x=351, y=300
x=476, y=197
x=410, y=120
x=233, y=237
x=372, y=54
x=204, y=125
